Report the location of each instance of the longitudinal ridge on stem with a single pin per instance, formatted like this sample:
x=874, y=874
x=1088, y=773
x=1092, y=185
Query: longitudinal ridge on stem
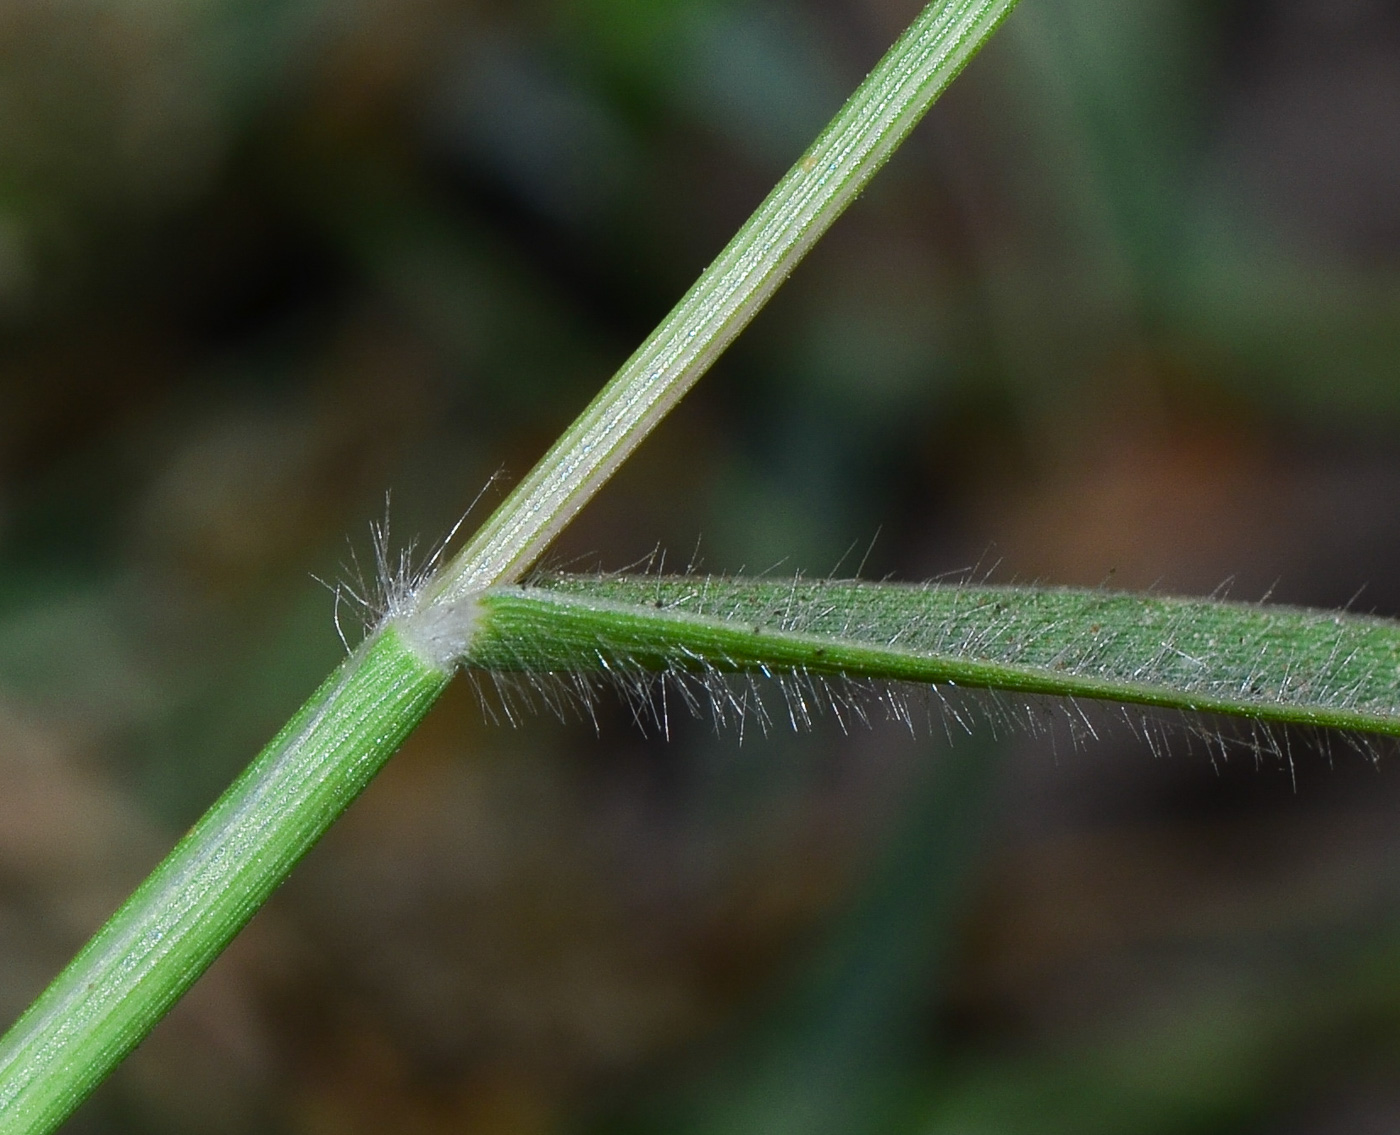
x=818, y=188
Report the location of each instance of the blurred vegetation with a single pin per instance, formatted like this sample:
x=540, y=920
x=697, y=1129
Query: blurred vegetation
x=1125, y=309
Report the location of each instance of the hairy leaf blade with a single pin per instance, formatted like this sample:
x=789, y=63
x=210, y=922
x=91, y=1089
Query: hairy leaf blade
x=1268, y=663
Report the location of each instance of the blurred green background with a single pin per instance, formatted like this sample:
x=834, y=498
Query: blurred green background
x=1125, y=310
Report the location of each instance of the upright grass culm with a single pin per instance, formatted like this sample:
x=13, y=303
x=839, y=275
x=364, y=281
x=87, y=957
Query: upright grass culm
x=186, y=912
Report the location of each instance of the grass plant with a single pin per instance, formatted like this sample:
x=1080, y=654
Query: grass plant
x=822, y=640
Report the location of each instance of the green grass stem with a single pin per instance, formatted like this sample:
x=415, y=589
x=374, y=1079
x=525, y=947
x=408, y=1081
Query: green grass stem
x=176, y=923
x=730, y=292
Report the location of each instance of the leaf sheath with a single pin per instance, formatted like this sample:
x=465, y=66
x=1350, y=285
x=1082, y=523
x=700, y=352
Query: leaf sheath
x=202, y=894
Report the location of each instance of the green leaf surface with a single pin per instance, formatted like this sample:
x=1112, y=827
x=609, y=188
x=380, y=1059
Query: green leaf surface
x=1268, y=663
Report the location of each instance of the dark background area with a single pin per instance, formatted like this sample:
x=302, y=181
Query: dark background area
x=1125, y=310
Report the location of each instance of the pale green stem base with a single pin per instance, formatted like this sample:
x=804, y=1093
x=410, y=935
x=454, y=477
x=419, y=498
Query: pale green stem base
x=168, y=932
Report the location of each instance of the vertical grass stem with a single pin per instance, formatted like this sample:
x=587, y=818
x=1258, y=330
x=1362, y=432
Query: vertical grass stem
x=827, y=178
x=184, y=914
x=177, y=922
